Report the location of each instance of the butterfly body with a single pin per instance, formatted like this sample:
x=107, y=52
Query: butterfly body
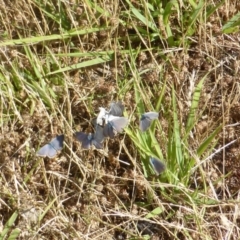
x=101, y=116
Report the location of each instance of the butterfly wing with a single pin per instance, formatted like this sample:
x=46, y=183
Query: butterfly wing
x=157, y=165
x=57, y=143
x=46, y=151
x=108, y=130
x=146, y=120
x=151, y=115
x=94, y=122
x=84, y=138
x=144, y=123
x=118, y=123
x=116, y=109
x=98, y=137
x=50, y=150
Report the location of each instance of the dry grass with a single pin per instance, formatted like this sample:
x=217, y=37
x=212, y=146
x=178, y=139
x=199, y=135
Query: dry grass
x=62, y=60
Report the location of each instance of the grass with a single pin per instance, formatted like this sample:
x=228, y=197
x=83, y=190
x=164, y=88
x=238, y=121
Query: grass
x=62, y=60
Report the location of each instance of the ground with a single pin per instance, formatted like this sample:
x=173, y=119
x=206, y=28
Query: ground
x=61, y=61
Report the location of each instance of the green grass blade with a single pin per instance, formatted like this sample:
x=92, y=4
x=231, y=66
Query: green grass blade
x=177, y=150
x=8, y=226
x=14, y=234
x=168, y=10
x=194, y=4
x=147, y=22
x=194, y=16
x=155, y=212
x=192, y=117
x=32, y=40
x=232, y=25
x=212, y=9
x=205, y=145
x=47, y=209
x=84, y=64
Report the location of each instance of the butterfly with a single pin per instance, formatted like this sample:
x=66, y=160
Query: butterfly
x=50, y=150
x=157, y=165
x=112, y=121
x=88, y=139
x=116, y=109
x=146, y=120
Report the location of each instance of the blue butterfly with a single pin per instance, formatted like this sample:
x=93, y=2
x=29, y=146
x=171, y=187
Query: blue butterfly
x=158, y=166
x=50, y=150
x=116, y=109
x=88, y=139
x=146, y=120
x=112, y=121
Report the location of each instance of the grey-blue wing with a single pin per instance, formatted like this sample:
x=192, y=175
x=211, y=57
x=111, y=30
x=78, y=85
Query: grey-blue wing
x=94, y=122
x=57, y=143
x=151, y=115
x=47, y=151
x=98, y=137
x=157, y=165
x=146, y=120
x=84, y=138
x=144, y=123
x=108, y=130
x=116, y=109
x=119, y=123
x=50, y=150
